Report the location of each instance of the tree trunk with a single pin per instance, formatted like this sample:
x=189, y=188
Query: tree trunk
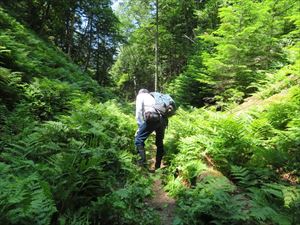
x=70, y=28
x=90, y=47
x=156, y=49
x=45, y=16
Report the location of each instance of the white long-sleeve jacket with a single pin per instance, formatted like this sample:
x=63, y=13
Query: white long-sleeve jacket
x=144, y=103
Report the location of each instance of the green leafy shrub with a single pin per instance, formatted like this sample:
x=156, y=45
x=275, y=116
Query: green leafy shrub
x=25, y=200
x=257, y=150
x=225, y=138
x=16, y=123
x=231, y=142
x=10, y=87
x=125, y=204
x=48, y=98
x=277, y=130
x=85, y=161
x=217, y=201
x=21, y=51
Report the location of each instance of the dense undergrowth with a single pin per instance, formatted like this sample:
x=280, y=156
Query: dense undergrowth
x=75, y=170
x=241, y=166
x=237, y=167
x=66, y=154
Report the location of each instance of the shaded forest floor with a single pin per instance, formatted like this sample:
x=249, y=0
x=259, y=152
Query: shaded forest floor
x=162, y=203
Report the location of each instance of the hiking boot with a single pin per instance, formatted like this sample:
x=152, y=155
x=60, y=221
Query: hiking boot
x=158, y=162
x=142, y=154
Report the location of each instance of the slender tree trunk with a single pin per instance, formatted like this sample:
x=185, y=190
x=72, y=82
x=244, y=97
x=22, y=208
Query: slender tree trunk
x=134, y=85
x=71, y=32
x=45, y=16
x=70, y=28
x=156, y=49
x=34, y=20
x=90, y=47
x=97, y=75
x=100, y=75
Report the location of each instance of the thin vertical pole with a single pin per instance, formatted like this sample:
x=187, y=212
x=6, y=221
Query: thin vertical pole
x=156, y=48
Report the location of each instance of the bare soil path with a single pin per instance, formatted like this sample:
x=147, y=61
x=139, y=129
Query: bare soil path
x=163, y=204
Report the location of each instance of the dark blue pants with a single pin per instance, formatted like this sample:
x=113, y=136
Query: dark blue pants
x=145, y=130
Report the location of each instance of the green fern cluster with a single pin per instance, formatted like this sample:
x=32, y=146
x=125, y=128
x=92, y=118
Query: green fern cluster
x=276, y=129
x=65, y=158
x=257, y=150
x=25, y=55
x=215, y=200
x=76, y=170
x=48, y=98
x=25, y=199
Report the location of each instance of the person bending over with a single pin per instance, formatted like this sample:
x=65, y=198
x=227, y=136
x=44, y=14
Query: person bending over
x=149, y=120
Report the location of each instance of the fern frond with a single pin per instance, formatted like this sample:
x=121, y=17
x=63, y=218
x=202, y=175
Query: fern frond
x=291, y=196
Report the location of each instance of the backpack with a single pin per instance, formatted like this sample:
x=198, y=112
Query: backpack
x=164, y=104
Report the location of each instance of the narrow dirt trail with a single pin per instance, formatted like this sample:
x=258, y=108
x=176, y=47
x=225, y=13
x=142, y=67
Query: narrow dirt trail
x=162, y=203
